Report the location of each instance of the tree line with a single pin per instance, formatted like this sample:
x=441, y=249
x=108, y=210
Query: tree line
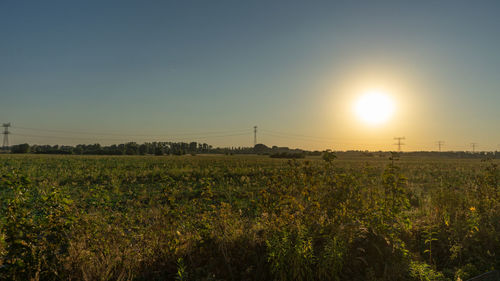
x=129, y=148
x=182, y=148
x=159, y=148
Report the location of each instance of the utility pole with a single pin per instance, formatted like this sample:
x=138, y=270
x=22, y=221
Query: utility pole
x=399, y=143
x=5, y=135
x=254, y=135
x=440, y=144
x=473, y=144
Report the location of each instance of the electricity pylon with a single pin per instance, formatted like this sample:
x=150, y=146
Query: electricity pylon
x=5, y=135
x=473, y=144
x=254, y=135
x=440, y=144
x=399, y=143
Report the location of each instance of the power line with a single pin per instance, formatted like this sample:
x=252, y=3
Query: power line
x=298, y=135
x=399, y=143
x=98, y=136
x=132, y=135
x=223, y=136
x=305, y=139
x=187, y=136
x=65, y=137
x=312, y=139
x=316, y=139
x=116, y=139
x=295, y=138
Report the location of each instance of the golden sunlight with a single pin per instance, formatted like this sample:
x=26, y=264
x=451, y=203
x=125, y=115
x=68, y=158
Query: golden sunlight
x=374, y=107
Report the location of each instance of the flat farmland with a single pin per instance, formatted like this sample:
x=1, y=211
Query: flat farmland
x=216, y=217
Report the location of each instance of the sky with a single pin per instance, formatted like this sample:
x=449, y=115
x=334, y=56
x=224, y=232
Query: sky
x=209, y=71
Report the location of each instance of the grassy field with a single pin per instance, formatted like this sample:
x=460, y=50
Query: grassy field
x=247, y=218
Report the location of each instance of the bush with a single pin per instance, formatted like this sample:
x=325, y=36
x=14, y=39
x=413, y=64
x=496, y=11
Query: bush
x=36, y=224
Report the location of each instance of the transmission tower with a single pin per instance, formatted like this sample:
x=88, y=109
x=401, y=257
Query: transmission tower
x=440, y=144
x=254, y=135
x=5, y=135
x=399, y=143
x=473, y=144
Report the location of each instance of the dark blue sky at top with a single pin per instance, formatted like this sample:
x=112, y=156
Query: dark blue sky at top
x=169, y=66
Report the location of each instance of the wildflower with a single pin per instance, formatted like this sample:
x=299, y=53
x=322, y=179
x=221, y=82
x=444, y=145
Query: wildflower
x=472, y=209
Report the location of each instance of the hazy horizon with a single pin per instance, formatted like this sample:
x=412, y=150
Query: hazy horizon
x=95, y=72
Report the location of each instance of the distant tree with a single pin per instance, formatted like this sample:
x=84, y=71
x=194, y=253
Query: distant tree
x=131, y=148
x=260, y=148
x=192, y=147
x=329, y=155
x=143, y=149
x=20, y=148
x=158, y=151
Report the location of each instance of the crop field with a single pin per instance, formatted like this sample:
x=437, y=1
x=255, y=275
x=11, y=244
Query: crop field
x=249, y=217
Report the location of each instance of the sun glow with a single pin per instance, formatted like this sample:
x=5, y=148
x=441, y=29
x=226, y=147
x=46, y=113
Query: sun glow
x=374, y=107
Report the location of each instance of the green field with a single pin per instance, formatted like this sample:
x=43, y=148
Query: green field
x=247, y=218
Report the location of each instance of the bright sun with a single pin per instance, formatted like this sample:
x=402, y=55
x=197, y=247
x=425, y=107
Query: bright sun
x=374, y=107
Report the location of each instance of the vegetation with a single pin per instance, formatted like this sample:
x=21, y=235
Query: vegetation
x=288, y=155
x=193, y=148
x=247, y=218
x=154, y=148
x=130, y=148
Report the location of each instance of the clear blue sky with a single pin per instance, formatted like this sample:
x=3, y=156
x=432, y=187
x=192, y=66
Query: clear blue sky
x=114, y=71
